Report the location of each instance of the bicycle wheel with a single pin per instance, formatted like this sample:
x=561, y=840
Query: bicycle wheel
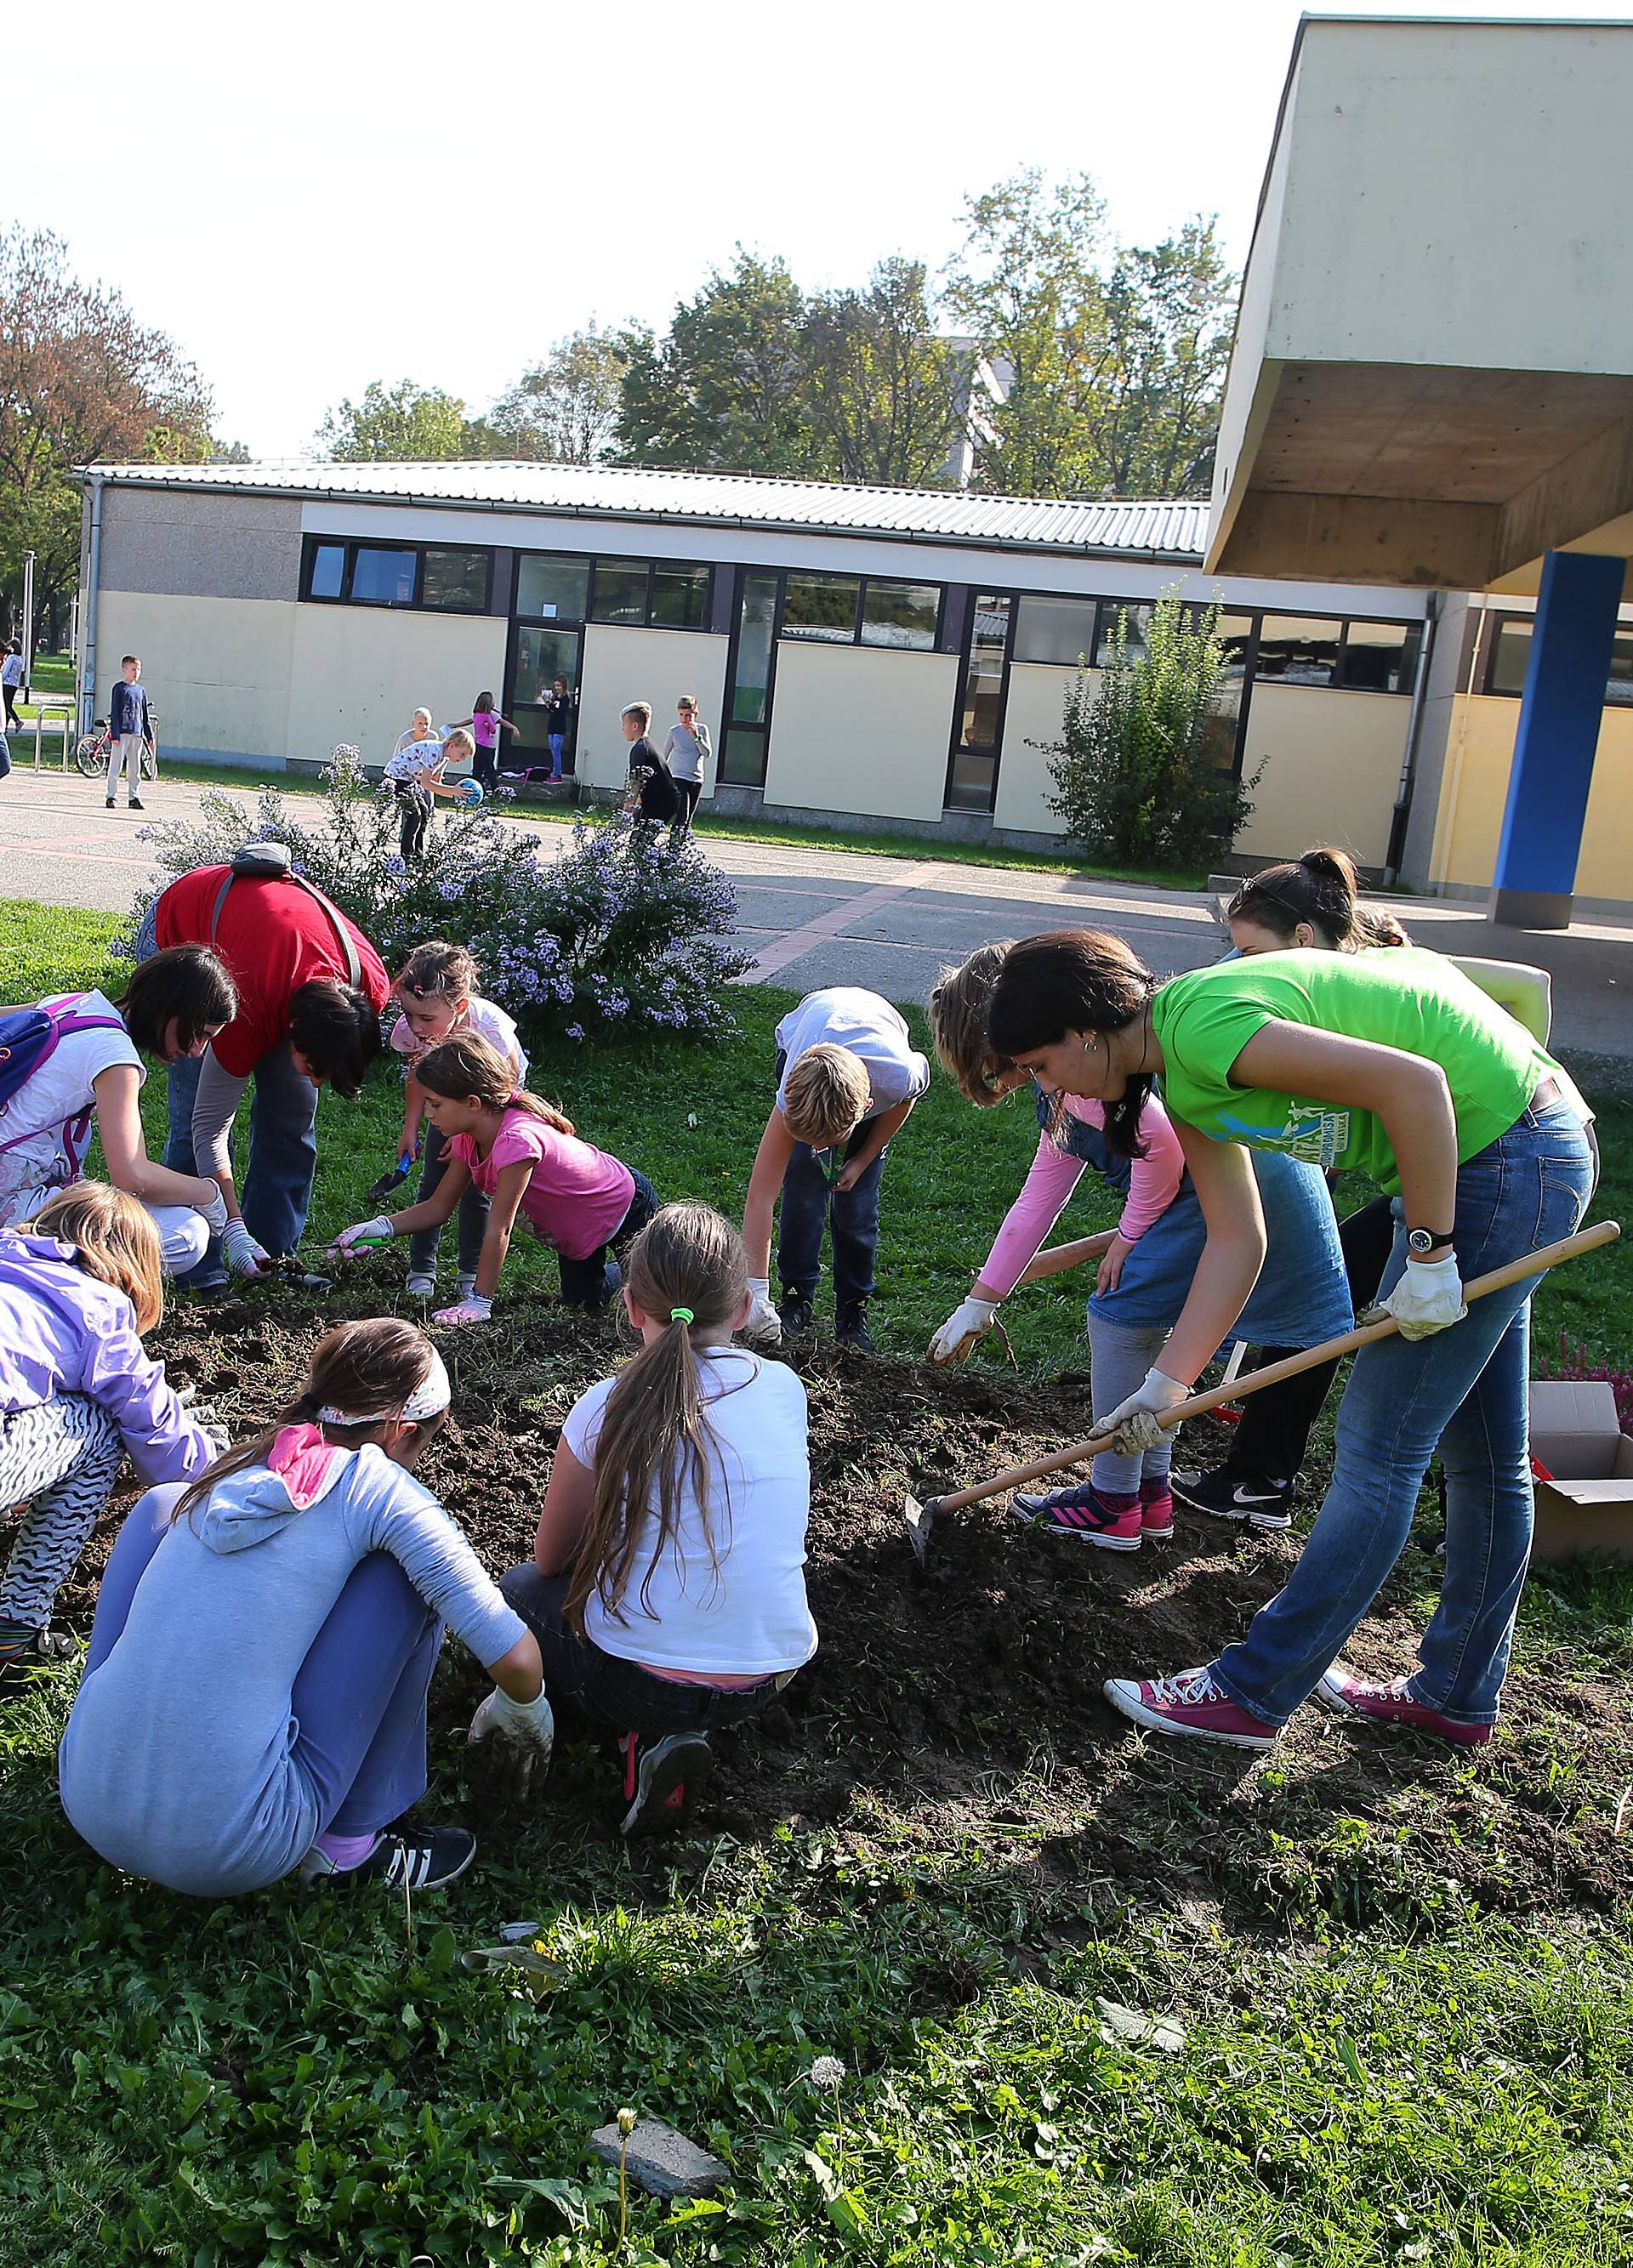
x=91, y=754
x=149, y=769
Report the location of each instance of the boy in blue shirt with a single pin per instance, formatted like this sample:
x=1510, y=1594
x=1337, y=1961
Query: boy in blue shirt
x=131, y=729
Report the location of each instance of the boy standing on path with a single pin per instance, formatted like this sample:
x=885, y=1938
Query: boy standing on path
x=652, y=790
x=131, y=729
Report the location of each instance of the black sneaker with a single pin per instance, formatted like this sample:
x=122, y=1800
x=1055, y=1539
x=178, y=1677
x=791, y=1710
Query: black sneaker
x=1262, y=1503
x=136, y=804
x=662, y=1780
x=794, y=1311
x=429, y=1861
x=850, y=1326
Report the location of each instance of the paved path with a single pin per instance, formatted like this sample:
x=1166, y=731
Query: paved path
x=814, y=917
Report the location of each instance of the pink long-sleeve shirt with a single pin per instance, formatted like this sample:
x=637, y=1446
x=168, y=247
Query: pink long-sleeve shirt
x=1055, y=1174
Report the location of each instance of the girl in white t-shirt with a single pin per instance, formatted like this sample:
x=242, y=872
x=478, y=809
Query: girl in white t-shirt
x=436, y=990
x=91, y=1075
x=667, y=1587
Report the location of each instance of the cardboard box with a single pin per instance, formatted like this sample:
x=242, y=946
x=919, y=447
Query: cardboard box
x=1587, y=1506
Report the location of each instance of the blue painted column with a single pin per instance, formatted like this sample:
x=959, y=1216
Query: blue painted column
x=1560, y=714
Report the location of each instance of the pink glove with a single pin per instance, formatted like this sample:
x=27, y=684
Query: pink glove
x=472, y=1309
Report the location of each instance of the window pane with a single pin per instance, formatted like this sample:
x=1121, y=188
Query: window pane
x=619, y=592
x=1296, y=653
x=756, y=614
x=1511, y=652
x=1138, y=618
x=382, y=579
x=458, y=579
x=743, y=758
x=1619, y=691
x=552, y=587
x=1235, y=633
x=974, y=779
x=1379, y=657
x=328, y=570
x=983, y=684
x=1055, y=630
x=541, y=656
x=821, y=606
x=901, y=614
x=680, y=597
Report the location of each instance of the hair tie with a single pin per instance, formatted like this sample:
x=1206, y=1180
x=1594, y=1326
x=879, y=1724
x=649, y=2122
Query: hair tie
x=682, y=1316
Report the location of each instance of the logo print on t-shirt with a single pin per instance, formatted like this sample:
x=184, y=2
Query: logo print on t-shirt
x=1317, y=1137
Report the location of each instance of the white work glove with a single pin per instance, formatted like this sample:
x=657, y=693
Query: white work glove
x=516, y=1738
x=473, y=1308
x=243, y=1256
x=1428, y=1298
x=958, y=1334
x=361, y=1237
x=765, y=1323
x=1133, y=1425
x=215, y=1210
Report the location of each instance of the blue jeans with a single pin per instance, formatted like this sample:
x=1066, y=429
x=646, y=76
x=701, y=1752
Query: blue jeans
x=558, y=748
x=852, y=1217
x=276, y=1188
x=1465, y=1390
x=472, y=1216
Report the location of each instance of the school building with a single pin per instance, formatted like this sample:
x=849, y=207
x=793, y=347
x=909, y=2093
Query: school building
x=861, y=654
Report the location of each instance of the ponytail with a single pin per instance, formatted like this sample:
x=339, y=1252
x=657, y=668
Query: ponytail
x=687, y=1269
x=467, y=1068
x=1321, y=890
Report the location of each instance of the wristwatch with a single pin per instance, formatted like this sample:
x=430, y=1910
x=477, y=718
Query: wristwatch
x=1422, y=1241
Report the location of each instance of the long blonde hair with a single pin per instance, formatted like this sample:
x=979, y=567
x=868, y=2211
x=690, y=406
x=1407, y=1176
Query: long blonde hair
x=117, y=1243
x=656, y=1435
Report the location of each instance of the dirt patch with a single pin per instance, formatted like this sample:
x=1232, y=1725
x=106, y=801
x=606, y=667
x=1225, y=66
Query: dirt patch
x=966, y=1698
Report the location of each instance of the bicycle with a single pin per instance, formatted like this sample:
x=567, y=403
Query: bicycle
x=96, y=748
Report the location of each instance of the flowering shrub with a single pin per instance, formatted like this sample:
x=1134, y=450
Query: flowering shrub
x=623, y=930
x=1576, y=1362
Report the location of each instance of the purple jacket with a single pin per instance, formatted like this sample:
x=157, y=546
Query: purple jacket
x=62, y=1332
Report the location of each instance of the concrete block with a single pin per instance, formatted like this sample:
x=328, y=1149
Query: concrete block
x=660, y=2160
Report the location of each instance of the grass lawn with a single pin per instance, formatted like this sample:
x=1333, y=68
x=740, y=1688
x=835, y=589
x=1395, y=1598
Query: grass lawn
x=1375, y=2063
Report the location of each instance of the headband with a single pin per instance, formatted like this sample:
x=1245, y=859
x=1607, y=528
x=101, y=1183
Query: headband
x=429, y=1399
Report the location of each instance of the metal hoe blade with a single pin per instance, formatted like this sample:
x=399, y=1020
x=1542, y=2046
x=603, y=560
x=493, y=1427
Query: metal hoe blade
x=920, y=1519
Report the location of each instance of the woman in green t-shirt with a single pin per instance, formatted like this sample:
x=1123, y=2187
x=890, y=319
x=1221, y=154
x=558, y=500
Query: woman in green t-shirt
x=1394, y=1062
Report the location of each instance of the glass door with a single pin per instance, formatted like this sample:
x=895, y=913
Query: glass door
x=972, y=772
x=539, y=656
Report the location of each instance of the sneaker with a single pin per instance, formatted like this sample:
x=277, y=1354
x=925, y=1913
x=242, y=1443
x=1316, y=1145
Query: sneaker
x=1189, y=1703
x=1085, y=1513
x=429, y=1861
x=795, y=1310
x=464, y=1287
x=849, y=1328
x=1392, y=1705
x=1157, y=1510
x=1261, y=1503
x=423, y=1286
x=23, y=1650
x=662, y=1780
x=109, y=805
x=136, y=804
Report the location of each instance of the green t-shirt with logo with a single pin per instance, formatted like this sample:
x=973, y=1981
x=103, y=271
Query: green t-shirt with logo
x=1396, y=996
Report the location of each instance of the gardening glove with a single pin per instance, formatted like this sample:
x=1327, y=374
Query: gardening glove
x=1133, y=1425
x=243, y=1256
x=765, y=1323
x=1428, y=1298
x=388, y=1184
x=515, y=1738
x=214, y=1211
x=363, y=1236
x=473, y=1308
x=956, y=1336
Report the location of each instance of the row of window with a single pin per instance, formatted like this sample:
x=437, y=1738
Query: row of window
x=1508, y=655
x=448, y=578
x=664, y=595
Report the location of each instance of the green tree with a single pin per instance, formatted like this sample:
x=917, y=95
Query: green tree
x=884, y=393
x=412, y=423
x=1141, y=771
x=565, y=408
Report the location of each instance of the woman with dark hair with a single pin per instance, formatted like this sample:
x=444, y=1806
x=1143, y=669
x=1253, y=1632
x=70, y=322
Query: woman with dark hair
x=86, y=1070
x=1397, y=1064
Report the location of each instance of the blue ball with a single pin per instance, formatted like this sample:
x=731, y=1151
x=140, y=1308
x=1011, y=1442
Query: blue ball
x=470, y=793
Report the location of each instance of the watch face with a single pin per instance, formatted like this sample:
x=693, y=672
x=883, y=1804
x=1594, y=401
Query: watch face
x=1419, y=1239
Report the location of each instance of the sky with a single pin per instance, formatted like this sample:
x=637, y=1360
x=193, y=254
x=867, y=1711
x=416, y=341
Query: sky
x=309, y=198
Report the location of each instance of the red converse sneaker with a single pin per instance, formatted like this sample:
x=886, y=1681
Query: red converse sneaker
x=1157, y=1510
x=1085, y=1514
x=1392, y=1705
x=1190, y=1703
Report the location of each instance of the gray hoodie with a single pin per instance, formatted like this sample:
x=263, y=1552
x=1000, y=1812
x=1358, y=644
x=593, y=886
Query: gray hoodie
x=181, y=1760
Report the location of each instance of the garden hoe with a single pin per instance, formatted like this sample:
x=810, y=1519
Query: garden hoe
x=921, y=1518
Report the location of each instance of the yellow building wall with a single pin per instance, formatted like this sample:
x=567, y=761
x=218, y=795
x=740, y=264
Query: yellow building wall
x=359, y=674
x=1334, y=771
x=861, y=729
x=219, y=669
x=1479, y=751
x=1037, y=693
x=622, y=665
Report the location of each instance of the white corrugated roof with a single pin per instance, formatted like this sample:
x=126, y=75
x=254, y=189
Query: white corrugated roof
x=1171, y=530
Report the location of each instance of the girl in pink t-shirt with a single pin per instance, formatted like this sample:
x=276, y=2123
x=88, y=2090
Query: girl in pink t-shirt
x=524, y=1157
x=485, y=724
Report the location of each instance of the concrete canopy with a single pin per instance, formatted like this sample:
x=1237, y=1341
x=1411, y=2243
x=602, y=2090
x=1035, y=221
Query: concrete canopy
x=1431, y=382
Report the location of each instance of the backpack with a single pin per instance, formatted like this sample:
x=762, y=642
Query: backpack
x=29, y=1037
x=269, y=862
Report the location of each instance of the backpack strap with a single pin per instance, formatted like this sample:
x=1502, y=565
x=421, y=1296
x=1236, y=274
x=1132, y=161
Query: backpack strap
x=342, y=935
